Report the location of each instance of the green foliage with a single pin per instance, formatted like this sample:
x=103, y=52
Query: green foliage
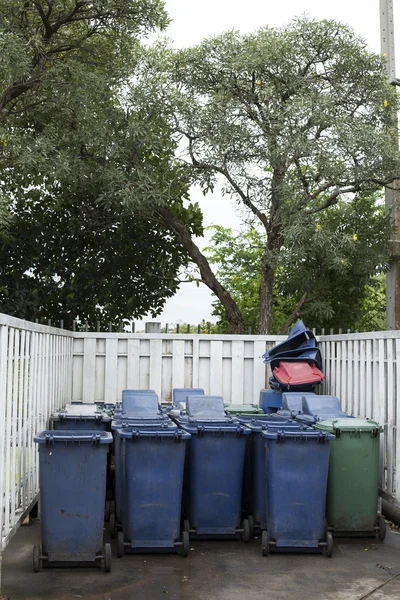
x=74, y=259
x=292, y=121
x=83, y=174
x=327, y=272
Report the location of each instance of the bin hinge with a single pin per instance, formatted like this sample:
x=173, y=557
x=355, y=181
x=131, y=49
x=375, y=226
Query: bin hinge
x=178, y=436
x=96, y=439
x=200, y=430
x=49, y=439
x=280, y=436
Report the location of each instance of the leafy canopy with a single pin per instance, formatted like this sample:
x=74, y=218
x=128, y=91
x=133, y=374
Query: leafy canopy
x=328, y=268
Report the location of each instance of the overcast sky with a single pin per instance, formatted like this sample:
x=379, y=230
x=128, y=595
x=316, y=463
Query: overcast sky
x=192, y=21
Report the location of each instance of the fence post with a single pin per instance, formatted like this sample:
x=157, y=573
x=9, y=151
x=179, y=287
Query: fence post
x=152, y=327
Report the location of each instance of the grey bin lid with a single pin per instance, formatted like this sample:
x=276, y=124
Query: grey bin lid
x=206, y=407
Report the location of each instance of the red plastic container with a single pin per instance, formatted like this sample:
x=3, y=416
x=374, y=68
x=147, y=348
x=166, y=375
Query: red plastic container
x=297, y=373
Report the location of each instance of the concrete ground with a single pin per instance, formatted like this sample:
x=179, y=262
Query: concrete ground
x=360, y=569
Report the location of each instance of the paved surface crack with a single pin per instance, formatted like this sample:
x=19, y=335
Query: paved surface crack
x=379, y=587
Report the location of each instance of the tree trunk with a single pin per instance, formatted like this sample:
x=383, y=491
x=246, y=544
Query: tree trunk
x=233, y=314
x=266, y=295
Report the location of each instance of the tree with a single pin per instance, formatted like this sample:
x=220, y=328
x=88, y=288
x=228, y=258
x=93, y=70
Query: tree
x=291, y=120
x=80, y=172
x=74, y=259
x=327, y=273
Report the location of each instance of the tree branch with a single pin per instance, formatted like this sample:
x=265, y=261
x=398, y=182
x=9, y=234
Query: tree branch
x=234, y=316
x=224, y=171
x=295, y=312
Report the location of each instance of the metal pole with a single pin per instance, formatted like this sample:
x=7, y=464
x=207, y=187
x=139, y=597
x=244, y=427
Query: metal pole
x=392, y=193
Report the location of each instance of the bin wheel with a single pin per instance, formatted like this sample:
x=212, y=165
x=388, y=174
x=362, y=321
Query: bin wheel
x=120, y=544
x=112, y=526
x=186, y=525
x=329, y=544
x=186, y=544
x=37, y=560
x=381, y=532
x=106, y=560
x=251, y=523
x=246, y=531
x=112, y=507
x=107, y=510
x=265, y=543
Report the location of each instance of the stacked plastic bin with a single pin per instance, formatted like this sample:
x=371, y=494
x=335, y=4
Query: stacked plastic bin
x=295, y=365
x=214, y=470
x=149, y=455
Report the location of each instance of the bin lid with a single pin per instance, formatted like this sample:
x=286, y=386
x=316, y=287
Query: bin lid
x=293, y=401
x=350, y=424
x=297, y=373
x=181, y=394
x=60, y=435
x=299, y=336
x=216, y=427
x=323, y=406
x=206, y=407
x=135, y=423
x=296, y=434
x=76, y=416
x=310, y=355
x=243, y=409
x=133, y=433
x=140, y=403
x=258, y=425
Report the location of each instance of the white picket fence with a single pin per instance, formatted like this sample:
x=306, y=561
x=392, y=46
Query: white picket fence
x=104, y=364
x=42, y=368
x=363, y=370
x=35, y=377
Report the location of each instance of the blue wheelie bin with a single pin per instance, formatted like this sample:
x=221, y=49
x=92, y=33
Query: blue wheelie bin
x=297, y=475
x=116, y=521
x=72, y=474
x=254, y=493
x=214, y=470
x=84, y=417
x=152, y=466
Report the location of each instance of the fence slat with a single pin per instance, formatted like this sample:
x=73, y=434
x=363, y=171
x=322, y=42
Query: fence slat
x=178, y=364
x=133, y=365
x=237, y=373
x=110, y=385
x=397, y=404
x=3, y=434
x=259, y=370
x=216, y=368
x=390, y=441
x=155, y=366
x=89, y=370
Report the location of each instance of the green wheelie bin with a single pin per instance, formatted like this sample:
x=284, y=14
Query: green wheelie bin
x=352, y=496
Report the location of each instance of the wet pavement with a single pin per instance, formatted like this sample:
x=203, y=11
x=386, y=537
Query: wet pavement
x=360, y=569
